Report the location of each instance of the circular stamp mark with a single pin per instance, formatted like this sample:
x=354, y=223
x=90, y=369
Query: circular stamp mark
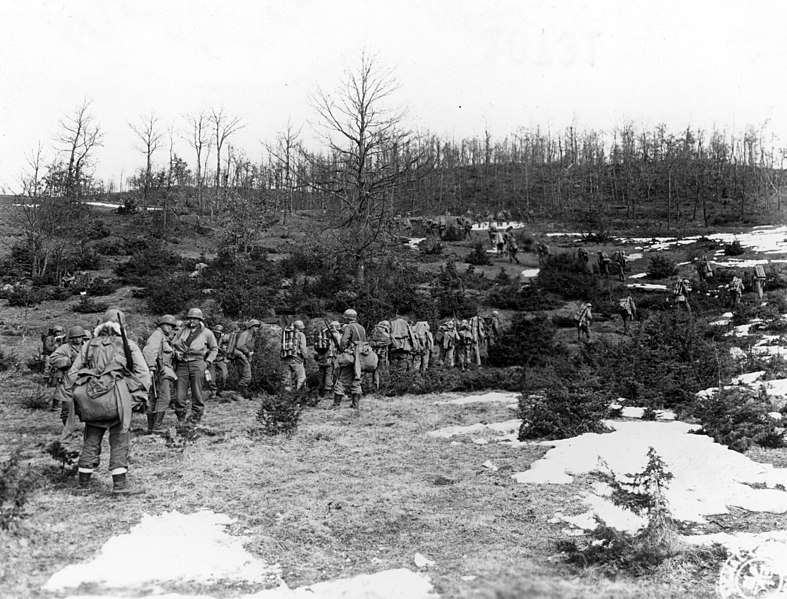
x=759, y=572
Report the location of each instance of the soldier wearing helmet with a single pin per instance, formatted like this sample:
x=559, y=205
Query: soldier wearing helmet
x=294, y=357
x=349, y=375
x=61, y=360
x=243, y=353
x=218, y=372
x=195, y=351
x=158, y=353
x=54, y=338
x=325, y=345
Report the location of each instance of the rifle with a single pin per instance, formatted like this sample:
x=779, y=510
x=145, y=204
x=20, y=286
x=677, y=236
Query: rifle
x=330, y=333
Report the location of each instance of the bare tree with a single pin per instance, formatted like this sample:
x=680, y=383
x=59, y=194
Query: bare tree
x=285, y=151
x=224, y=126
x=148, y=138
x=199, y=138
x=79, y=136
x=369, y=156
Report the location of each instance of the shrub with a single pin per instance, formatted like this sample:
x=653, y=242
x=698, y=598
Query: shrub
x=734, y=249
x=525, y=240
x=430, y=247
x=478, y=256
x=443, y=380
x=172, y=295
x=61, y=454
x=530, y=341
x=567, y=278
x=16, y=483
x=8, y=361
x=523, y=299
x=562, y=411
x=279, y=414
x=36, y=363
x=150, y=263
x=111, y=246
x=26, y=296
x=453, y=233
x=738, y=418
x=101, y=287
x=644, y=494
x=87, y=305
x=37, y=398
x=661, y=267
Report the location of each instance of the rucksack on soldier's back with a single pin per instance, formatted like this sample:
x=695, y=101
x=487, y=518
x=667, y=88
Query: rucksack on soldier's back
x=322, y=340
x=380, y=337
x=96, y=393
x=288, y=342
x=232, y=343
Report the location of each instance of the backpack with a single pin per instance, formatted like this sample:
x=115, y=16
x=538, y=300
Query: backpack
x=232, y=343
x=287, y=342
x=380, y=337
x=322, y=340
x=760, y=271
x=367, y=358
x=95, y=394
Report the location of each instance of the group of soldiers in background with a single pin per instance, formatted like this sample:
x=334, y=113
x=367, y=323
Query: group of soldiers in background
x=504, y=242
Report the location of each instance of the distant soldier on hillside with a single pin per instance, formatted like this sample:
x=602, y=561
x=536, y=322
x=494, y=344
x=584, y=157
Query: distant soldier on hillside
x=619, y=258
x=627, y=310
x=759, y=280
x=511, y=245
x=583, y=319
x=704, y=269
x=680, y=294
x=446, y=339
x=583, y=257
x=736, y=291
x=542, y=249
x=603, y=263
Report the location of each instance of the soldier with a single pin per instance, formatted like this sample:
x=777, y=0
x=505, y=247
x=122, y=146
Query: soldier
x=619, y=257
x=158, y=352
x=583, y=257
x=423, y=356
x=468, y=226
x=680, y=293
x=493, y=327
x=241, y=356
x=403, y=344
x=759, y=280
x=500, y=242
x=325, y=353
x=511, y=245
x=479, y=346
x=441, y=226
x=294, y=354
x=493, y=234
x=704, y=269
x=219, y=370
x=349, y=371
x=446, y=339
x=380, y=341
x=584, y=319
x=627, y=310
x=603, y=263
x=54, y=338
x=736, y=290
x=464, y=345
x=61, y=361
x=543, y=253
x=195, y=351
x=105, y=356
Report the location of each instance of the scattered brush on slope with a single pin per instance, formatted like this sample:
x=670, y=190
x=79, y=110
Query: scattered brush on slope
x=16, y=483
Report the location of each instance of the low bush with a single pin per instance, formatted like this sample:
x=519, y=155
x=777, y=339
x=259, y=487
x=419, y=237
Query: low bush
x=87, y=305
x=453, y=233
x=439, y=379
x=8, y=361
x=36, y=363
x=101, y=287
x=734, y=249
x=153, y=262
x=738, y=418
x=37, y=398
x=279, y=414
x=614, y=551
x=24, y=297
x=172, y=295
x=523, y=299
x=661, y=267
x=529, y=342
x=16, y=483
x=431, y=247
x=479, y=256
x=567, y=278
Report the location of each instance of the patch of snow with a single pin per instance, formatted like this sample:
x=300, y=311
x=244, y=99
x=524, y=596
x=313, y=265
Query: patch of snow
x=708, y=477
x=635, y=256
x=422, y=561
x=504, y=428
x=740, y=540
x=490, y=465
x=639, y=275
x=565, y=234
x=413, y=242
x=632, y=412
x=491, y=397
x=484, y=226
x=720, y=323
x=169, y=547
x=647, y=286
x=530, y=273
x=747, y=378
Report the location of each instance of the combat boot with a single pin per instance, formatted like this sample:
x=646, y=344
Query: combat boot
x=84, y=479
x=158, y=422
x=151, y=421
x=337, y=401
x=354, y=401
x=120, y=486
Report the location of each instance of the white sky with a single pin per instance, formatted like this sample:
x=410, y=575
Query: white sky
x=464, y=65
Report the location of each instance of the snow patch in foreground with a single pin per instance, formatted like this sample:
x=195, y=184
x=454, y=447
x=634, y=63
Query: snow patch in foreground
x=508, y=428
x=492, y=396
x=708, y=477
x=388, y=584
x=171, y=547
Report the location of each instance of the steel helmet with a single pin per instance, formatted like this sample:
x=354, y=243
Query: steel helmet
x=253, y=323
x=58, y=329
x=76, y=332
x=335, y=324
x=350, y=313
x=298, y=324
x=168, y=319
x=218, y=329
x=195, y=313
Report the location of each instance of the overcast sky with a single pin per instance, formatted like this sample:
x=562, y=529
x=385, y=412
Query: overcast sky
x=465, y=66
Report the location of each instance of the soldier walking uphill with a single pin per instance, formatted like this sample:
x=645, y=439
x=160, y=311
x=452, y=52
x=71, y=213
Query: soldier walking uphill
x=108, y=378
x=380, y=340
x=218, y=372
x=422, y=356
x=195, y=350
x=584, y=320
x=348, y=377
x=446, y=339
x=465, y=345
x=242, y=354
x=54, y=338
x=158, y=352
x=704, y=269
x=511, y=245
x=294, y=354
x=736, y=291
x=325, y=352
x=619, y=258
x=61, y=361
x=627, y=310
x=759, y=280
x=680, y=294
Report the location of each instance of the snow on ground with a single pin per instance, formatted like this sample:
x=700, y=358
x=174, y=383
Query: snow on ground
x=708, y=477
x=529, y=273
x=647, y=286
x=639, y=275
x=171, y=547
x=492, y=396
x=484, y=226
x=195, y=549
x=508, y=429
x=768, y=240
x=413, y=242
x=634, y=256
